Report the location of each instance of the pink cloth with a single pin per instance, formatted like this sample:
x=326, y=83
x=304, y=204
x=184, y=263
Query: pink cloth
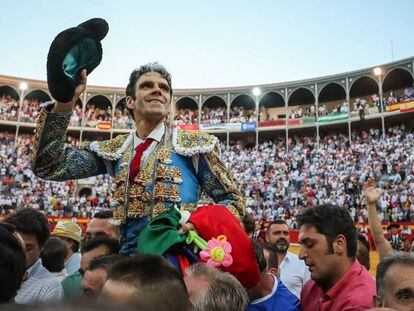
x=354, y=291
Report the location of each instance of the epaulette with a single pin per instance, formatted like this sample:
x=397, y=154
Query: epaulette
x=112, y=149
x=189, y=143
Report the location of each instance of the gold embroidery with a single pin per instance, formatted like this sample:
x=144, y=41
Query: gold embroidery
x=119, y=194
x=194, y=136
x=162, y=173
x=174, y=193
x=175, y=173
x=136, y=209
x=159, y=209
x=164, y=156
x=119, y=214
x=136, y=191
x=142, y=177
x=188, y=207
x=160, y=192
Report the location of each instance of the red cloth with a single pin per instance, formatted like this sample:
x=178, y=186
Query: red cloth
x=136, y=161
x=354, y=291
x=214, y=220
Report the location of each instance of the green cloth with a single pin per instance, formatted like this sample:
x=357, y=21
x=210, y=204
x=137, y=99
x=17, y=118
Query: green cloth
x=161, y=233
x=72, y=286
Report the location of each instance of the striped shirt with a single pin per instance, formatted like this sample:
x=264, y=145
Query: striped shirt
x=41, y=286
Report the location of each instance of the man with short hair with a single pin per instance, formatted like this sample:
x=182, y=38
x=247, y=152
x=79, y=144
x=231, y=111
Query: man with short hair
x=395, y=282
x=270, y=293
x=40, y=284
x=12, y=263
x=328, y=239
x=148, y=282
x=71, y=234
x=212, y=289
x=96, y=274
x=93, y=248
x=101, y=224
x=156, y=168
x=293, y=272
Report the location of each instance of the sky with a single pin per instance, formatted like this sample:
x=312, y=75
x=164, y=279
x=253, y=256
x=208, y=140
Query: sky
x=214, y=43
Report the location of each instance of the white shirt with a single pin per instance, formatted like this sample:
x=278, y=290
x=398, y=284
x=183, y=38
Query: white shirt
x=294, y=273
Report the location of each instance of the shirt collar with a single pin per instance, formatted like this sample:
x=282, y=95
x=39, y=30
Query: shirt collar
x=353, y=272
x=156, y=134
x=33, y=269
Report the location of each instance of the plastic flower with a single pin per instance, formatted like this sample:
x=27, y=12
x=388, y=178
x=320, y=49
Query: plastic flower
x=217, y=252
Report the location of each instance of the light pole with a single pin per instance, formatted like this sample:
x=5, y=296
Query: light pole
x=256, y=92
x=378, y=73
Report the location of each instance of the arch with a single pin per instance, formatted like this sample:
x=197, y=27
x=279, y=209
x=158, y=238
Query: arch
x=213, y=111
x=301, y=103
x=271, y=107
x=9, y=103
x=398, y=78
x=122, y=118
x=363, y=94
x=332, y=99
x=31, y=104
x=211, y=96
x=98, y=112
x=242, y=109
x=186, y=111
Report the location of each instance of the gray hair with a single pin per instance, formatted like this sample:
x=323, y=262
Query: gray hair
x=224, y=291
x=405, y=259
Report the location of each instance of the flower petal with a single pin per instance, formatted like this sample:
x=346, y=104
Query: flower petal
x=227, y=260
x=227, y=247
x=205, y=255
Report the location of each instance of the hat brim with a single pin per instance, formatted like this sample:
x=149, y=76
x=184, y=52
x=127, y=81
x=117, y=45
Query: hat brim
x=66, y=235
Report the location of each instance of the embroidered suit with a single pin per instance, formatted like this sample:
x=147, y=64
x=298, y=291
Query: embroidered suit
x=180, y=167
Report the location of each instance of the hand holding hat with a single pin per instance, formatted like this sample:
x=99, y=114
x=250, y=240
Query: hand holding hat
x=72, y=51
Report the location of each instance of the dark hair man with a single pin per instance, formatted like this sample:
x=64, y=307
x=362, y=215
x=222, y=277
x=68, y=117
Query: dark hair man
x=395, y=282
x=270, y=293
x=293, y=272
x=96, y=274
x=12, y=263
x=40, y=284
x=168, y=168
x=53, y=257
x=93, y=248
x=148, y=282
x=101, y=224
x=328, y=239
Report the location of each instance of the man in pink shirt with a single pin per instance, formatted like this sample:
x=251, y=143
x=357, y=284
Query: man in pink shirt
x=328, y=239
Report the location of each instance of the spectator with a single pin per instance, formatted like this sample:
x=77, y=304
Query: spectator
x=96, y=274
x=71, y=234
x=249, y=225
x=328, y=241
x=148, y=282
x=212, y=289
x=395, y=282
x=12, y=263
x=363, y=250
x=53, y=257
x=100, y=225
x=271, y=259
x=270, y=293
x=40, y=285
x=293, y=272
x=93, y=248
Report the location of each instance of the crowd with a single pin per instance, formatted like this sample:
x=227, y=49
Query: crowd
x=213, y=116
x=278, y=184
x=76, y=117
x=29, y=110
x=95, y=115
x=122, y=119
x=241, y=114
x=8, y=108
x=185, y=116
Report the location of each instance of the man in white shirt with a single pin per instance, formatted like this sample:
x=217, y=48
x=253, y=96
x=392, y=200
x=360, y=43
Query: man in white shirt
x=293, y=271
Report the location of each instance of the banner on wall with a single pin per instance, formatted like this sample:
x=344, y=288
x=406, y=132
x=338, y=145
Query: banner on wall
x=248, y=126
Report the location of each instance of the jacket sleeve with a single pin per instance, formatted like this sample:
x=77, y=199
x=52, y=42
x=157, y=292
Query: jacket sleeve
x=215, y=180
x=53, y=159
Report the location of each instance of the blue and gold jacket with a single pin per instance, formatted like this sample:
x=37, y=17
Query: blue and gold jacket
x=167, y=178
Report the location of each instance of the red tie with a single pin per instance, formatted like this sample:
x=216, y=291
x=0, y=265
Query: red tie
x=136, y=161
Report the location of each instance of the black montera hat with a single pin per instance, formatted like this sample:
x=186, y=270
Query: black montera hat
x=73, y=50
